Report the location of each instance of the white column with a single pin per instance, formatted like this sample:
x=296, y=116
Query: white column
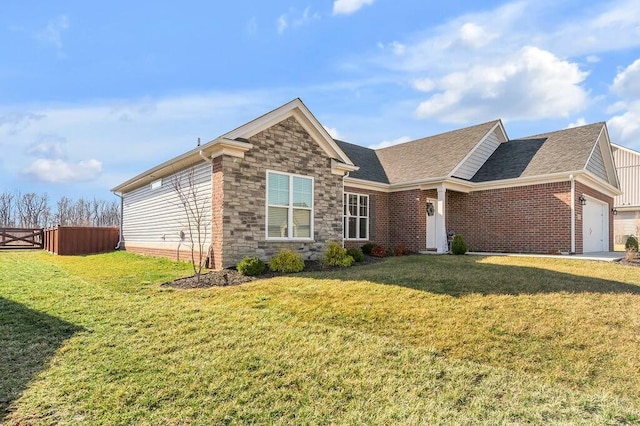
x=441, y=226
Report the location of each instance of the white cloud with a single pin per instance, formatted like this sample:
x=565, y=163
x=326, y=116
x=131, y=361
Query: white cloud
x=291, y=20
x=396, y=47
x=625, y=128
x=347, y=7
x=593, y=59
x=16, y=121
x=334, y=133
x=386, y=143
x=473, y=35
x=579, y=122
x=60, y=171
x=627, y=83
x=282, y=24
x=48, y=146
x=127, y=136
x=52, y=32
x=531, y=84
x=424, y=84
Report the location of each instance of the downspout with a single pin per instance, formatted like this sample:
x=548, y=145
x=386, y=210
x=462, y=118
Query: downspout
x=120, y=237
x=573, y=214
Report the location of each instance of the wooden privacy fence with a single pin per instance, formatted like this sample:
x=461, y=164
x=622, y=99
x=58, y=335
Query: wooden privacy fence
x=73, y=240
x=21, y=238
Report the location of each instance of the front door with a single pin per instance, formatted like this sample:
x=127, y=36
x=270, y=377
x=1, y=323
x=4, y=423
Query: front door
x=595, y=226
x=431, y=224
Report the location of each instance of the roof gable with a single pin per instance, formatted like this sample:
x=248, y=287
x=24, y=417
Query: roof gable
x=297, y=109
x=431, y=157
x=481, y=152
x=601, y=162
x=549, y=153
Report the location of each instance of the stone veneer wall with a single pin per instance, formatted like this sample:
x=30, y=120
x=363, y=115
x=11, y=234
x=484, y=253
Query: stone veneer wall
x=284, y=147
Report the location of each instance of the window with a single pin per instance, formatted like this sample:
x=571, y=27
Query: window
x=356, y=216
x=289, y=206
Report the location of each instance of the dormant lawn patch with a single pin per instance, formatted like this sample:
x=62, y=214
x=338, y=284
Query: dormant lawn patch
x=417, y=339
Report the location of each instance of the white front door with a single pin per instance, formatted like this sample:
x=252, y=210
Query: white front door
x=595, y=226
x=431, y=224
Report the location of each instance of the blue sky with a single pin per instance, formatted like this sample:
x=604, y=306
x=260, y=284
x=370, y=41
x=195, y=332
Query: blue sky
x=92, y=94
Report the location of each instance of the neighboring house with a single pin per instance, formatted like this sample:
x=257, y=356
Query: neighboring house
x=627, y=206
x=282, y=181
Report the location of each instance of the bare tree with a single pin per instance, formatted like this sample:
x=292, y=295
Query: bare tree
x=33, y=209
x=7, y=209
x=64, y=211
x=198, y=221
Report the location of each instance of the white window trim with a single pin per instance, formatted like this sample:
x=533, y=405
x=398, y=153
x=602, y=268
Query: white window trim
x=290, y=209
x=347, y=215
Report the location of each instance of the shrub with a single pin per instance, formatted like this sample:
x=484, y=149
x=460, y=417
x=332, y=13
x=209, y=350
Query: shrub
x=400, y=250
x=356, y=253
x=458, y=245
x=378, y=251
x=250, y=266
x=336, y=255
x=287, y=261
x=366, y=249
x=632, y=242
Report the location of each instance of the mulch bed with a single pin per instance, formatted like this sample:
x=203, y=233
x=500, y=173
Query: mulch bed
x=228, y=277
x=633, y=262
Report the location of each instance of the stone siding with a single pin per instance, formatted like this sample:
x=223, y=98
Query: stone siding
x=284, y=147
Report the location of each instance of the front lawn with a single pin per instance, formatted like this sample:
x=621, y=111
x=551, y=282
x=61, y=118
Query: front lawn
x=411, y=340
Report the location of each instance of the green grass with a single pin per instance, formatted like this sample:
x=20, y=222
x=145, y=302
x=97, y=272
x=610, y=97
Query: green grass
x=411, y=340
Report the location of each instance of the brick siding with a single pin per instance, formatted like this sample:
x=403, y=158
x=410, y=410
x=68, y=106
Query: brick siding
x=378, y=218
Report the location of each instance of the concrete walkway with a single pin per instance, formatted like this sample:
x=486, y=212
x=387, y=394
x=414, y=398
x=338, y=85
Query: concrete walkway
x=605, y=256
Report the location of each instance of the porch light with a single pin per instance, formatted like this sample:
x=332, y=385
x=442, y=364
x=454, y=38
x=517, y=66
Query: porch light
x=583, y=201
x=614, y=211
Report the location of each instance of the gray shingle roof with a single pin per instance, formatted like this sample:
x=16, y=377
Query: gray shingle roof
x=366, y=159
x=430, y=157
x=555, y=152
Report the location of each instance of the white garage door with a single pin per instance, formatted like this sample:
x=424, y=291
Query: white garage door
x=595, y=226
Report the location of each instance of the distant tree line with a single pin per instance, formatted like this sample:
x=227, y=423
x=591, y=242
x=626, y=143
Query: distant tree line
x=31, y=210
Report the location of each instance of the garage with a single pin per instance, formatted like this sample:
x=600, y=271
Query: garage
x=595, y=226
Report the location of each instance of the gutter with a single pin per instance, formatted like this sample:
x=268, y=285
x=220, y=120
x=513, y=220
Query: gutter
x=120, y=237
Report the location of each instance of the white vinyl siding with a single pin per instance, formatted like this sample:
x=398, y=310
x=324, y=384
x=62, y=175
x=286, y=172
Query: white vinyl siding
x=596, y=164
x=628, y=168
x=154, y=218
x=479, y=156
x=289, y=206
x=356, y=216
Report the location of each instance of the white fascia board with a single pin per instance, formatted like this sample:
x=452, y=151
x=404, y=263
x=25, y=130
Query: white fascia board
x=624, y=148
x=366, y=184
x=297, y=109
x=211, y=149
x=526, y=181
x=591, y=180
x=341, y=169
